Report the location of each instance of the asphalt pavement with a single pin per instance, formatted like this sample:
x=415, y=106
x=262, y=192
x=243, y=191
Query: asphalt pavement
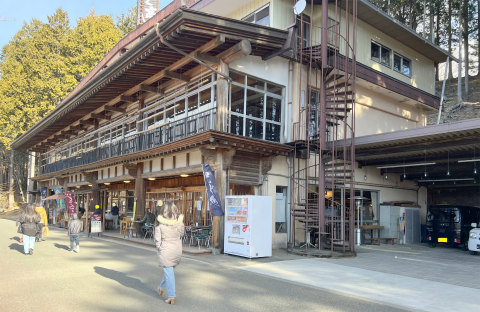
x=116, y=275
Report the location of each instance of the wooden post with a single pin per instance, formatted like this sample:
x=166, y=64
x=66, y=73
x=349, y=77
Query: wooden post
x=30, y=174
x=140, y=190
x=222, y=97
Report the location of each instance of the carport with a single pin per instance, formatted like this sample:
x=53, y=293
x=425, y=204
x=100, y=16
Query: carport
x=444, y=158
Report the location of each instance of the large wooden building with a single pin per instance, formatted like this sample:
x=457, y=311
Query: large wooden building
x=239, y=85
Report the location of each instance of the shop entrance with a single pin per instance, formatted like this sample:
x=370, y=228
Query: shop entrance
x=191, y=201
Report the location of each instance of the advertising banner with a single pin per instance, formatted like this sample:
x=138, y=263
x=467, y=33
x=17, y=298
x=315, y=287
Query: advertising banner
x=70, y=201
x=43, y=194
x=60, y=202
x=212, y=192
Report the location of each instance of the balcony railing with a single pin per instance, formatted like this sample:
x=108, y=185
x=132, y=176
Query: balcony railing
x=164, y=134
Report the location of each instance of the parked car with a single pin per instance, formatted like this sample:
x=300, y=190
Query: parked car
x=474, y=239
x=450, y=224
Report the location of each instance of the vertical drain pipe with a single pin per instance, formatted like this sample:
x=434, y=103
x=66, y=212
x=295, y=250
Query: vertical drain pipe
x=443, y=90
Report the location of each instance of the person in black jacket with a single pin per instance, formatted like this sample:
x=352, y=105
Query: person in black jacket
x=29, y=220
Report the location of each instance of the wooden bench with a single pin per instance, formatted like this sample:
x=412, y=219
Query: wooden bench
x=386, y=239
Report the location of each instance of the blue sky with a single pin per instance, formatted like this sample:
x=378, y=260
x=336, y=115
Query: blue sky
x=14, y=13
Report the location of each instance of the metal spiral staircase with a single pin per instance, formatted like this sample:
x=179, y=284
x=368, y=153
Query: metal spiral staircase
x=322, y=171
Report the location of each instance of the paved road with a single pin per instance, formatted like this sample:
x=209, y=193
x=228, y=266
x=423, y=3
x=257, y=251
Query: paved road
x=108, y=275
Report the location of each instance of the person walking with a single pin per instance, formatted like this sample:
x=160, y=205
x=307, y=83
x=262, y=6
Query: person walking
x=168, y=240
x=115, y=212
x=74, y=228
x=29, y=220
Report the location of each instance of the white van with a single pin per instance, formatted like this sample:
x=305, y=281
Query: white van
x=474, y=240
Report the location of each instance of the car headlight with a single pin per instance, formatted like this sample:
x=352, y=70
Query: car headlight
x=473, y=235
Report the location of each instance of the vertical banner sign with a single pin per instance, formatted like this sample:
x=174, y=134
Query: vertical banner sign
x=212, y=192
x=60, y=202
x=43, y=194
x=70, y=201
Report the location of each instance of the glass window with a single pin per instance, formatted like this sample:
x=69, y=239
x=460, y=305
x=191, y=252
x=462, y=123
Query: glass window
x=397, y=62
x=255, y=103
x=192, y=103
x=255, y=83
x=406, y=67
x=401, y=64
x=237, y=77
x=236, y=125
x=237, y=99
x=274, y=109
x=256, y=108
x=380, y=54
x=254, y=129
x=205, y=97
x=180, y=108
x=260, y=17
x=263, y=16
x=273, y=88
x=170, y=112
x=386, y=56
x=375, y=52
x=272, y=132
x=303, y=30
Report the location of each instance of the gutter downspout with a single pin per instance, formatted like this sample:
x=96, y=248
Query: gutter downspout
x=443, y=90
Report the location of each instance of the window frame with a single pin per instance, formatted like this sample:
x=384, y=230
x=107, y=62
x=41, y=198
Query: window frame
x=402, y=58
x=266, y=94
x=254, y=15
x=380, y=58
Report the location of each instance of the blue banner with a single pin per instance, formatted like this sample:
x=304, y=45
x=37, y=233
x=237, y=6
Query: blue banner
x=212, y=192
x=43, y=194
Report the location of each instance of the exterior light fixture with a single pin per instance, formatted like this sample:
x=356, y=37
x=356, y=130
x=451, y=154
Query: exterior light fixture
x=90, y=185
x=151, y=179
x=448, y=164
x=407, y=165
x=126, y=181
x=448, y=180
x=78, y=186
x=184, y=175
x=107, y=183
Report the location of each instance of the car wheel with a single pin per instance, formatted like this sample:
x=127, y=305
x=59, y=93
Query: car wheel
x=432, y=245
x=473, y=253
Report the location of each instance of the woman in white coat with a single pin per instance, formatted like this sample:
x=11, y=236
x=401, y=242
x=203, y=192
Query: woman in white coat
x=168, y=240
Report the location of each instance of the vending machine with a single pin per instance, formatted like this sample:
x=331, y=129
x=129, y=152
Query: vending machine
x=248, y=226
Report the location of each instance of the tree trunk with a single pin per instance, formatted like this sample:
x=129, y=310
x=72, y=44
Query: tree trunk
x=431, y=13
x=437, y=37
x=459, y=78
x=478, y=38
x=449, y=33
x=465, y=45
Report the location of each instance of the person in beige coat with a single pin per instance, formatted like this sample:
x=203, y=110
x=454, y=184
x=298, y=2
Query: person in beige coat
x=168, y=240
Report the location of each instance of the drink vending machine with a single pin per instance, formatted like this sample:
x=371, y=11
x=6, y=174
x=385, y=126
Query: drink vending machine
x=248, y=226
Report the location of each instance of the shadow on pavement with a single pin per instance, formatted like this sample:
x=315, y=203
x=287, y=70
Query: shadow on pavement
x=61, y=246
x=16, y=247
x=125, y=280
x=17, y=238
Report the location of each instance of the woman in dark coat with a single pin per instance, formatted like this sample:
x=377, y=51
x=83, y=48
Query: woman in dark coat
x=29, y=220
x=168, y=241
